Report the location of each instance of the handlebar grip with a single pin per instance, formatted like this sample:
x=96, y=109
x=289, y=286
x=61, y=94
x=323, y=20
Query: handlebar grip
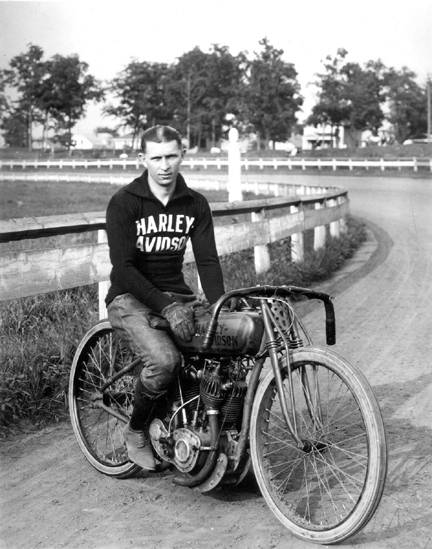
x=330, y=323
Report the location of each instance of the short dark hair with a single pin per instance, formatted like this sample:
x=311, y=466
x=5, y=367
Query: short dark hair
x=160, y=134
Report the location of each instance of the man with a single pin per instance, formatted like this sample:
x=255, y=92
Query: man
x=148, y=224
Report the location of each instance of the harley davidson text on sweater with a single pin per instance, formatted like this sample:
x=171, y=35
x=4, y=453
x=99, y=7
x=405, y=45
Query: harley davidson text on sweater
x=147, y=242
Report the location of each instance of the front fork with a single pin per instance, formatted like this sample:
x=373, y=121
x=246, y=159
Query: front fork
x=274, y=335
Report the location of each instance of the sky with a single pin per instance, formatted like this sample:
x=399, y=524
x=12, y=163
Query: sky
x=108, y=34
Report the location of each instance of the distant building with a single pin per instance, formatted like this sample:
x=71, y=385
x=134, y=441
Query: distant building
x=81, y=142
x=124, y=142
x=326, y=137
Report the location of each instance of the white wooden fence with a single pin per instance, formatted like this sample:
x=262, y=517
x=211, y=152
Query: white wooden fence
x=39, y=269
x=414, y=164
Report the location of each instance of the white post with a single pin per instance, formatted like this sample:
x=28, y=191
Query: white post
x=334, y=225
x=319, y=232
x=342, y=222
x=261, y=253
x=297, y=242
x=104, y=285
x=234, y=167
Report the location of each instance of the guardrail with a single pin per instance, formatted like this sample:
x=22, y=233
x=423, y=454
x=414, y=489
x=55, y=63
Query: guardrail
x=221, y=163
x=47, y=267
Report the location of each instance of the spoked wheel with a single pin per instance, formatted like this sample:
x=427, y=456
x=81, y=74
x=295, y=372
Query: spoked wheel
x=327, y=487
x=99, y=414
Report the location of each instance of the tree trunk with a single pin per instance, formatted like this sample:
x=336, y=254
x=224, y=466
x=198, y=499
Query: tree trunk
x=30, y=130
x=44, y=132
x=188, y=110
x=199, y=136
x=213, y=137
x=69, y=136
x=258, y=141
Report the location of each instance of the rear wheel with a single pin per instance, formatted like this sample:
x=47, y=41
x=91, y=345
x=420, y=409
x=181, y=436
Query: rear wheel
x=328, y=489
x=98, y=414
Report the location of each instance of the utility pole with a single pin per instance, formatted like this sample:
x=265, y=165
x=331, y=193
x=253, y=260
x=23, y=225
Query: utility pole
x=429, y=113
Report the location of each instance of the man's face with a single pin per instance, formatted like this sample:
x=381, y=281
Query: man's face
x=162, y=161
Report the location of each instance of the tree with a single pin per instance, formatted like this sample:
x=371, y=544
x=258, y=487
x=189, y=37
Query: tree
x=64, y=92
x=407, y=104
x=332, y=107
x=225, y=82
x=139, y=92
x=203, y=88
x=4, y=104
x=24, y=75
x=187, y=88
x=364, y=95
x=272, y=94
x=14, y=126
x=349, y=95
x=53, y=91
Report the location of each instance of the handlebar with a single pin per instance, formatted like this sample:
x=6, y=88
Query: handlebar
x=273, y=291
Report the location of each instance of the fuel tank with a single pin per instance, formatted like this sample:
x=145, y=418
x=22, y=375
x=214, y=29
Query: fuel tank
x=237, y=333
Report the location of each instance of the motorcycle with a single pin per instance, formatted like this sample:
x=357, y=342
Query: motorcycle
x=253, y=392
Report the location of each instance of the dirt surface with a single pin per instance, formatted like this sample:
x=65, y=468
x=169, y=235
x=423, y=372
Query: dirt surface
x=51, y=497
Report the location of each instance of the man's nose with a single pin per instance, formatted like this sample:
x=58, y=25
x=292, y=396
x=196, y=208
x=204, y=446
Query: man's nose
x=164, y=163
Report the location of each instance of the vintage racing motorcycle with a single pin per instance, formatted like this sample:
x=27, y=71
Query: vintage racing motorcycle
x=252, y=390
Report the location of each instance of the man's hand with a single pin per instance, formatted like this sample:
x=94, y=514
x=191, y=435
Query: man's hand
x=181, y=320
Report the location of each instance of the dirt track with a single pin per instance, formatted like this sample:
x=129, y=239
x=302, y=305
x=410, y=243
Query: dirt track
x=51, y=498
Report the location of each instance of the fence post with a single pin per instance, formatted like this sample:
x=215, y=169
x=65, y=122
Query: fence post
x=319, y=232
x=261, y=253
x=342, y=222
x=104, y=285
x=234, y=167
x=297, y=242
x=334, y=225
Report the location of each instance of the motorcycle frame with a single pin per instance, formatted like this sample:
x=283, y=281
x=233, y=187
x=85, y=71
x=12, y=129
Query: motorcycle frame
x=269, y=347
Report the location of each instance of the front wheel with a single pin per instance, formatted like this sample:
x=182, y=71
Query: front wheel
x=328, y=489
x=98, y=412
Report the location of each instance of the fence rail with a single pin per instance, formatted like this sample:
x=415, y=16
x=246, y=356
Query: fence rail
x=222, y=163
x=46, y=267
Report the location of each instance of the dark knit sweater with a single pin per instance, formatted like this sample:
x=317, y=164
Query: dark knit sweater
x=147, y=243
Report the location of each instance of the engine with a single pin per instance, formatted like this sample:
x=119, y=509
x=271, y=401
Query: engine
x=206, y=404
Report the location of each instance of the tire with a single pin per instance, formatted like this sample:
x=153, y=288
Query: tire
x=99, y=433
x=328, y=490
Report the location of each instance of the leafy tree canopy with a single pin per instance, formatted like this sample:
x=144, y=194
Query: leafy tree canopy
x=407, y=104
x=139, y=95
x=56, y=89
x=272, y=94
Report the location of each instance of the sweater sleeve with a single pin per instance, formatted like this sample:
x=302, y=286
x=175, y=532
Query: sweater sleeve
x=206, y=257
x=121, y=232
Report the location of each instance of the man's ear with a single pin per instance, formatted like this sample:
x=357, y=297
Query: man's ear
x=141, y=158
